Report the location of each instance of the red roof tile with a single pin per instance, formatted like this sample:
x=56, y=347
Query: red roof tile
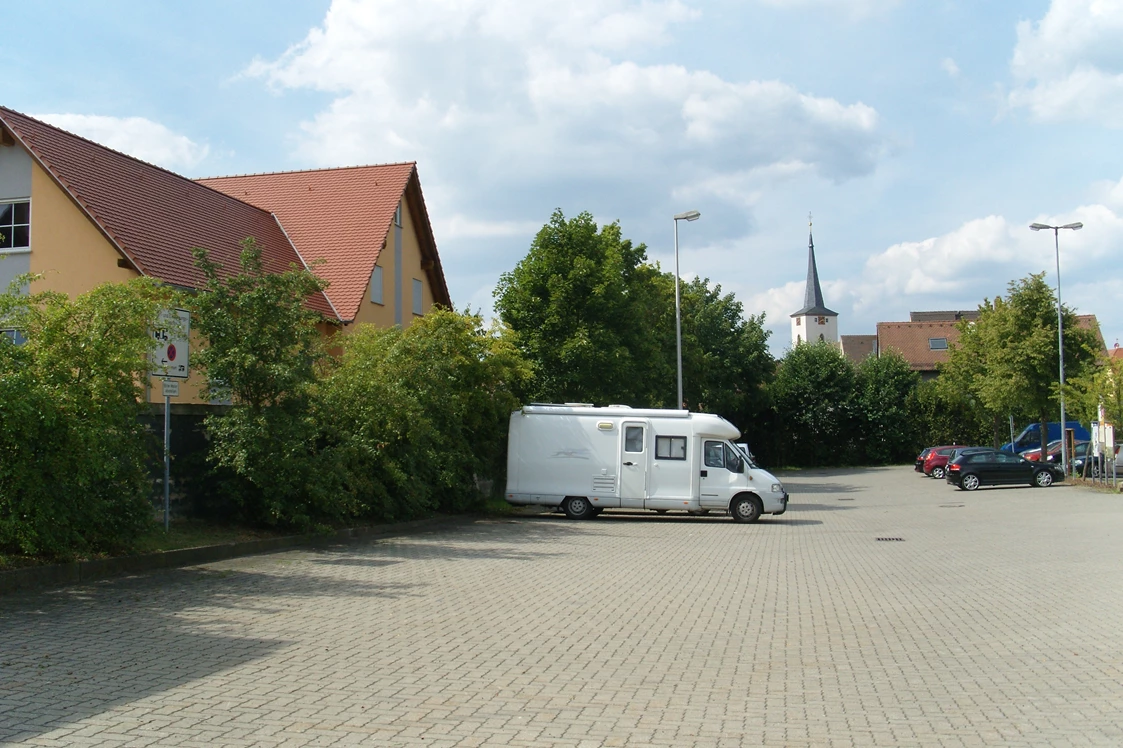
x=153, y=216
x=342, y=217
x=910, y=339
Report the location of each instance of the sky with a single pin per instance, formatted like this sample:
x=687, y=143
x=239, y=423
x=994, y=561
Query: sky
x=922, y=137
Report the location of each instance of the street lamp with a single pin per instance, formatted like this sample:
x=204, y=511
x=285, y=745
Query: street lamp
x=690, y=215
x=1060, y=330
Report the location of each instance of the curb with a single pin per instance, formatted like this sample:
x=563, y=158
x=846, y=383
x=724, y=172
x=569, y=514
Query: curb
x=79, y=572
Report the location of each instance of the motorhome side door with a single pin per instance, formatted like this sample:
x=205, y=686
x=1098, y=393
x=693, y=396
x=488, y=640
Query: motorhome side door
x=721, y=474
x=633, y=463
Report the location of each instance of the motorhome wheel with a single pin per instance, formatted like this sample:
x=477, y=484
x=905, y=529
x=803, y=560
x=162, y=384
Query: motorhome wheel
x=746, y=509
x=578, y=507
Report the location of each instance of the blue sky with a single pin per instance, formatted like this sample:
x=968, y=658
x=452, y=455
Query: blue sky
x=924, y=136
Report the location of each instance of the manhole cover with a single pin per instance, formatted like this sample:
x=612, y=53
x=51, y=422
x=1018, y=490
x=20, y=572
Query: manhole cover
x=899, y=540
x=850, y=499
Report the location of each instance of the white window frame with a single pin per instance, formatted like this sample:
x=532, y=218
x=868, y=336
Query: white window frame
x=377, y=288
x=418, y=297
x=21, y=250
x=933, y=347
x=398, y=214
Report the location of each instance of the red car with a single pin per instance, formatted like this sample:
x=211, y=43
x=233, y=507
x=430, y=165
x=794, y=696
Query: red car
x=935, y=464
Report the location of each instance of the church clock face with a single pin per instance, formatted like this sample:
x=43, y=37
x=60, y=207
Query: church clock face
x=821, y=320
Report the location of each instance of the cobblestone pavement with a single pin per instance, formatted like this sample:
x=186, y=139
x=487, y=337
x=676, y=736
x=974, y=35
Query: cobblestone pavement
x=994, y=620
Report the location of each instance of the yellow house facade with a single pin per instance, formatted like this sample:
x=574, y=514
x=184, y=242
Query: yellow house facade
x=80, y=215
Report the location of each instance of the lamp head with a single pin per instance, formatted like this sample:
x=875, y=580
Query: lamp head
x=690, y=215
x=1039, y=226
x=1074, y=226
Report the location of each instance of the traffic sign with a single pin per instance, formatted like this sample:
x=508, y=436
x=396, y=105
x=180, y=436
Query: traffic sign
x=171, y=389
x=170, y=358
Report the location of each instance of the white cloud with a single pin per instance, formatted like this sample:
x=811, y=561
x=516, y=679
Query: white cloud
x=1069, y=64
x=960, y=268
x=484, y=92
x=138, y=137
x=857, y=8
x=461, y=226
x=950, y=67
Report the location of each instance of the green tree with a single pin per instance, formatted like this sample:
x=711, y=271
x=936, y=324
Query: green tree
x=885, y=405
x=262, y=349
x=727, y=366
x=73, y=455
x=420, y=415
x=579, y=305
x=1008, y=357
x=814, y=394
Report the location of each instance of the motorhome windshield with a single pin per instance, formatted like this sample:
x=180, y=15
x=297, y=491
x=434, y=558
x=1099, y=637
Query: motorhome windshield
x=743, y=449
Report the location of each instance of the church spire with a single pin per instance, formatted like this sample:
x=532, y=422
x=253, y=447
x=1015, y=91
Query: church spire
x=813, y=294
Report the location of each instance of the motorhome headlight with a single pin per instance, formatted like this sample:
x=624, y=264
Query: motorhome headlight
x=777, y=488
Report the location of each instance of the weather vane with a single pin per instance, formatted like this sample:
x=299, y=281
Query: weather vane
x=808, y=218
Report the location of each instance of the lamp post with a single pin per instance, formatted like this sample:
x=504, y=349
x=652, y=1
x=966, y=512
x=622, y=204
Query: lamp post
x=690, y=215
x=1060, y=330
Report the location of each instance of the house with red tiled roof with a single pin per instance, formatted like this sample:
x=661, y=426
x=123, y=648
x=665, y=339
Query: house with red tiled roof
x=924, y=340
x=378, y=210
x=81, y=214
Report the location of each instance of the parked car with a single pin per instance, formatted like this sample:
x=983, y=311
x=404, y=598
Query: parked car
x=1084, y=454
x=1080, y=448
x=991, y=468
x=1031, y=436
x=958, y=451
x=920, y=459
x=935, y=463
x=1035, y=454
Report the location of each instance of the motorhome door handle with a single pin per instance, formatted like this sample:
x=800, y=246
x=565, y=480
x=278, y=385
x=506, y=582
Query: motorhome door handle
x=630, y=464
x=705, y=473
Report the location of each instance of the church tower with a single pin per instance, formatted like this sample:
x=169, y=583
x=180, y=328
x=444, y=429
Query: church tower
x=814, y=322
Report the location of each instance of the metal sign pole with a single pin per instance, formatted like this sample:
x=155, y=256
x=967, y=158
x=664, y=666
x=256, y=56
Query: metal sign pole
x=167, y=459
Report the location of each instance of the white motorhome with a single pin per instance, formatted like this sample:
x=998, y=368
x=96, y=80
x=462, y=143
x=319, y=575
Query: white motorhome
x=585, y=459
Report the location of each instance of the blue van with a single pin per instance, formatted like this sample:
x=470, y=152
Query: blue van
x=1030, y=438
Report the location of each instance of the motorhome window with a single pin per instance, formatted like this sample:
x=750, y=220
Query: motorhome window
x=670, y=447
x=633, y=439
x=715, y=455
x=732, y=459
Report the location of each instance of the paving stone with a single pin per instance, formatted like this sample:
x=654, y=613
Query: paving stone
x=991, y=623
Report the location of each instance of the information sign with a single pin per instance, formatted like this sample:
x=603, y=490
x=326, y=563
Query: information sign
x=170, y=358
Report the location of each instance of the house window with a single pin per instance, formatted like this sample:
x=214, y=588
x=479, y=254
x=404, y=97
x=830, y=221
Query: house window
x=821, y=320
x=417, y=300
x=13, y=335
x=15, y=225
x=376, y=285
x=937, y=344
x=670, y=448
x=398, y=215
x=798, y=321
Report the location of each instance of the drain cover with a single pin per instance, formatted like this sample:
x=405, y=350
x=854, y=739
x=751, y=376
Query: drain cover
x=900, y=540
x=850, y=499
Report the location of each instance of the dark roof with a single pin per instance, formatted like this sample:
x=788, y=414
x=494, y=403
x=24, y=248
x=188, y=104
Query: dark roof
x=154, y=217
x=813, y=296
x=361, y=202
x=948, y=316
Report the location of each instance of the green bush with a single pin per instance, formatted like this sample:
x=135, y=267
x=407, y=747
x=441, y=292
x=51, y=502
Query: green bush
x=419, y=415
x=73, y=455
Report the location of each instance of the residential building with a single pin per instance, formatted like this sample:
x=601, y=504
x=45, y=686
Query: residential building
x=81, y=214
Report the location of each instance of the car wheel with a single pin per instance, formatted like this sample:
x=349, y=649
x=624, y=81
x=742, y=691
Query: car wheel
x=660, y=511
x=937, y=472
x=970, y=482
x=746, y=509
x=1043, y=479
x=578, y=507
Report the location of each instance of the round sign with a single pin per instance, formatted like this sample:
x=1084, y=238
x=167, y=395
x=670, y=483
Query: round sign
x=171, y=352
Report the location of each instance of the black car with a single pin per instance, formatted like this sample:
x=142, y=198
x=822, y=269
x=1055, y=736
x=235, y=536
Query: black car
x=996, y=468
x=920, y=458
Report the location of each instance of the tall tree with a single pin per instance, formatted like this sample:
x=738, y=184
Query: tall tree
x=1009, y=356
x=814, y=395
x=887, y=424
x=576, y=304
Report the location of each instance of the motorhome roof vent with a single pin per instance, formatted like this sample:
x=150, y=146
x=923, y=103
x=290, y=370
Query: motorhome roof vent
x=579, y=405
x=626, y=407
